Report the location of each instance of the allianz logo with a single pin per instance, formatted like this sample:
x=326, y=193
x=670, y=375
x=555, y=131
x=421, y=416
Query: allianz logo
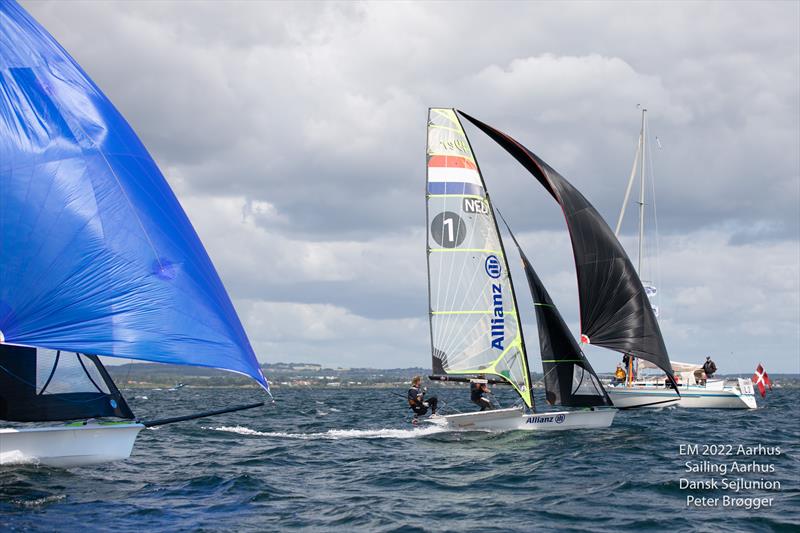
x=538, y=419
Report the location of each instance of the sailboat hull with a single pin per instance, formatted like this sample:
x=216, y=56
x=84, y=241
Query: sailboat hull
x=692, y=397
x=515, y=419
x=68, y=446
x=634, y=397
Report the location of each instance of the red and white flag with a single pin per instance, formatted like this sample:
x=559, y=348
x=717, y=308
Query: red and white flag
x=761, y=379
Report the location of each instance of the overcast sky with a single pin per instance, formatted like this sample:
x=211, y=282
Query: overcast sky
x=294, y=136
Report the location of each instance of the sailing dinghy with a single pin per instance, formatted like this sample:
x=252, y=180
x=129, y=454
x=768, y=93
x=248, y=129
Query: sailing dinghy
x=97, y=257
x=475, y=327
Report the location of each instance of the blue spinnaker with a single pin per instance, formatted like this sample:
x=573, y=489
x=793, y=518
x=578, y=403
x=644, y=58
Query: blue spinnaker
x=96, y=253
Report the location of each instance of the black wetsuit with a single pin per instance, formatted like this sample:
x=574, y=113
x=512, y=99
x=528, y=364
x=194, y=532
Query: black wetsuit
x=418, y=403
x=476, y=396
x=709, y=368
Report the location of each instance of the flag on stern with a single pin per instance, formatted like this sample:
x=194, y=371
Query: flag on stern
x=761, y=379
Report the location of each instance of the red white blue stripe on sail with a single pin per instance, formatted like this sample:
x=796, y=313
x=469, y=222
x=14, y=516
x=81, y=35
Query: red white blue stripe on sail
x=452, y=174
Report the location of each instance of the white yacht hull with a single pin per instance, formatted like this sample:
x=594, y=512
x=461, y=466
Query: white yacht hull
x=725, y=399
x=515, y=419
x=629, y=397
x=713, y=396
x=67, y=446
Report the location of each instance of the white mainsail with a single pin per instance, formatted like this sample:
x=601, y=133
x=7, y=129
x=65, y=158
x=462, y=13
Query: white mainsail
x=475, y=328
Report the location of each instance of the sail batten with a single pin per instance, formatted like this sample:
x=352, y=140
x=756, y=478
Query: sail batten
x=473, y=313
x=615, y=311
x=96, y=254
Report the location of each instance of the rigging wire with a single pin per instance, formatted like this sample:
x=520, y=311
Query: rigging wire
x=657, y=261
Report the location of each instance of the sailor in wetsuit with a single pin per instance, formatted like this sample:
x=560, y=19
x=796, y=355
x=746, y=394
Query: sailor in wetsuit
x=477, y=389
x=417, y=401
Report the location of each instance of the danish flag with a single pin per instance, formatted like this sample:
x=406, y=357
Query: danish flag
x=761, y=379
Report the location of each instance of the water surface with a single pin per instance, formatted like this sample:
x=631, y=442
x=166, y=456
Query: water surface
x=327, y=459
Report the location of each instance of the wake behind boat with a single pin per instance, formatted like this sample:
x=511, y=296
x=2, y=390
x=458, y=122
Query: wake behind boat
x=97, y=257
x=475, y=327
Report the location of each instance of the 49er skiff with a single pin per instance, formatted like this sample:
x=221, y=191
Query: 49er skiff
x=475, y=327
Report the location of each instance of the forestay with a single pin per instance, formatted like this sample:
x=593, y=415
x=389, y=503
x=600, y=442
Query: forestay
x=473, y=314
x=96, y=254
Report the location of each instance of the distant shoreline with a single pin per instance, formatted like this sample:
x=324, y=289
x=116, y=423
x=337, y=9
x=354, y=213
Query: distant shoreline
x=307, y=375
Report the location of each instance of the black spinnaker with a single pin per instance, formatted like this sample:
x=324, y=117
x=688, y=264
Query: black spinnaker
x=614, y=308
x=569, y=379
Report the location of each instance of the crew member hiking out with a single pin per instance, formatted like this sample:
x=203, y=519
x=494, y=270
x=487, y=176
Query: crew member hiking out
x=477, y=389
x=417, y=401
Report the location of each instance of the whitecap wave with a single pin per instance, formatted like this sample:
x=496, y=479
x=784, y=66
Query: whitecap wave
x=39, y=502
x=336, y=434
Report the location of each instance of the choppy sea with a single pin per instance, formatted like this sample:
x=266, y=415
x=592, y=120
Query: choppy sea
x=349, y=459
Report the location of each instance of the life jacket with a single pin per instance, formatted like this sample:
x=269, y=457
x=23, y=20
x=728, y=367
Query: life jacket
x=413, y=402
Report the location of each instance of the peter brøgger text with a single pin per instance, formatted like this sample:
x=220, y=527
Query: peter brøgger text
x=744, y=474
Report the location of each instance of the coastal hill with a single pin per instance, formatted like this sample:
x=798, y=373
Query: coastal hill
x=153, y=375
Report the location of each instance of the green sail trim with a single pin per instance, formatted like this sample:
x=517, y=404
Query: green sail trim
x=505, y=375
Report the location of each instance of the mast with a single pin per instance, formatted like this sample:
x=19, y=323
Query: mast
x=641, y=192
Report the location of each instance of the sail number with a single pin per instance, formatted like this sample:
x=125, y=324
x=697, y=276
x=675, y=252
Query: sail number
x=475, y=205
x=448, y=229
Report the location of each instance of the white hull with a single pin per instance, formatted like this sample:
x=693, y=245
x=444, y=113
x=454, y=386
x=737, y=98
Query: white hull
x=627, y=397
x=67, y=446
x=713, y=396
x=515, y=419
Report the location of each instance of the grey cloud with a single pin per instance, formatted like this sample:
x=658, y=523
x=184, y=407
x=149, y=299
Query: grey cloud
x=264, y=99
x=318, y=111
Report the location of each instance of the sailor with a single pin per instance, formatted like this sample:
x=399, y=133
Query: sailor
x=619, y=374
x=709, y=367
x=417, y=401
x=477, y=389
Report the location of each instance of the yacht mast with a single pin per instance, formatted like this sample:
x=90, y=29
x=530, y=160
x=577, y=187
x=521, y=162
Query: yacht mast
x=641, y=192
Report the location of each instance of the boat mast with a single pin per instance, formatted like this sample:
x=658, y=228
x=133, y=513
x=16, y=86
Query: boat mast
x=641, y=192
x=640, y=153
